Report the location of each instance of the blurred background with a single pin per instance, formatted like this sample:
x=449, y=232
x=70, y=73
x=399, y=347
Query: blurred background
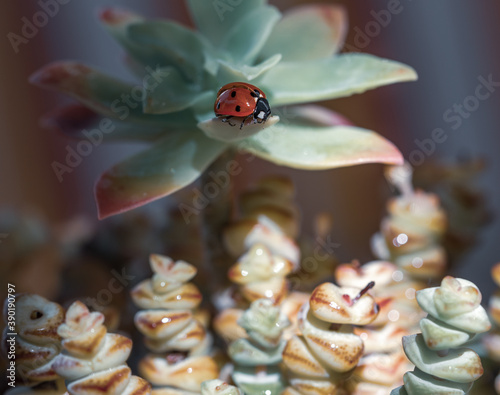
x=451, y=43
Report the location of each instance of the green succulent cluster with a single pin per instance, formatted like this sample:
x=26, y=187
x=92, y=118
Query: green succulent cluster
x=257, y=358
x=292, y=57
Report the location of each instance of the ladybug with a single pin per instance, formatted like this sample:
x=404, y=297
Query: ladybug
x=241, y=100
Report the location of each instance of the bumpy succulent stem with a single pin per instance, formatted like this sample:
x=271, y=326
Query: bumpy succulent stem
x=171, y=328
x=383, y=364
x=262, y=237
x=454, y=317
x=322, y=358
x=491, y=340
x=271, y=198
x=410, y=236
x=93, y=360
x=36, y=344
x=257, y=357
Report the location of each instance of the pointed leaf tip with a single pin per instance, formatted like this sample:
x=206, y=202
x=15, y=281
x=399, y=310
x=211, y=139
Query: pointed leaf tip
x=55, y=75
x=117, y=16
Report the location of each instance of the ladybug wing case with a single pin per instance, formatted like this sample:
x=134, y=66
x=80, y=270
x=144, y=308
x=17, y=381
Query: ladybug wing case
x=236, y=102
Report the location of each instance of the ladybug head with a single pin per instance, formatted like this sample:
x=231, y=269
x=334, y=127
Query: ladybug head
x=262, y=110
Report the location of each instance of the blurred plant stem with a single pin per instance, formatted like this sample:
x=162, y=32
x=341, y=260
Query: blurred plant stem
x=215, y=216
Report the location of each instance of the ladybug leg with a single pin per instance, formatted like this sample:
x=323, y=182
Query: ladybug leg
x=226, y=119
x=246, y=119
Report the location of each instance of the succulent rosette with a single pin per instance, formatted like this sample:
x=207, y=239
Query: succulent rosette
x=292, y=57
x=455, y=316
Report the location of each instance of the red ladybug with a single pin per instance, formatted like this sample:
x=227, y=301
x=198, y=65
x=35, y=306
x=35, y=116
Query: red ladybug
x=242, y=100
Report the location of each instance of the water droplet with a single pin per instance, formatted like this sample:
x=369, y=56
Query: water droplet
x=397, y=275
x=393, y=315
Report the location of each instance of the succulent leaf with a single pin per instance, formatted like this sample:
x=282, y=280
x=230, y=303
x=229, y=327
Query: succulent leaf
x=172, y=94
x=77, y=121
x=117, y=21
x=217, y=129
x=103, y=94
x=291, y=58
x=173, y=44
x=245, y=39
x=321, y=147
x=228, y=71
x=171, y=164
x=324, y=79
x=308, y=32
x=214, y=19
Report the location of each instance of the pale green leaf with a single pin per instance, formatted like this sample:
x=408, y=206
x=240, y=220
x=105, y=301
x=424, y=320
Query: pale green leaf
x=320, y=147
x=215, y=18
x=343, y=75
x=308, y=32
x=171, y=164
x=245, y=40
x=106, y=95
x=173, y=94
x=174, y=44
x=118, y=21
x=229, y=72
x=231, y=130
x=79, y=122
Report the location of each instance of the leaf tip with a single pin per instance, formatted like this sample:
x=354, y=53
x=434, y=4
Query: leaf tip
x=57, y=74
x=102, y=198
x=113, y=16
x=409, y=73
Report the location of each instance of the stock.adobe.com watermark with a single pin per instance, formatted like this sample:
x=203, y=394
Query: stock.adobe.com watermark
x=10, y=334
x=31, y=26
x=380, y=19
x=122, y=107
x=323, y=251
x=118, y=283
x=202, y=196
x=454, y=117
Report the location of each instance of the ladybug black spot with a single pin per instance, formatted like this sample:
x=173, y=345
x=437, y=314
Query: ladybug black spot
x=218, y=105
x=238, y=108
x=233, y=93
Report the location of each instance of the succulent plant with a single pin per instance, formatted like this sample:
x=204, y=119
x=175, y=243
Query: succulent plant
x=257, y=357
x=383, y=364
x=36, y=344
x=455, y=316
x=291, y=57
x=322, y=359
x=491, y=340
x=412, y=233
x=178, y=340
x=93, y=359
